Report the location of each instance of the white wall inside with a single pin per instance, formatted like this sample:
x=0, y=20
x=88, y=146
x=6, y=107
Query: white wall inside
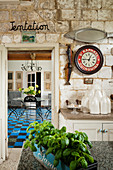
x=46, y=65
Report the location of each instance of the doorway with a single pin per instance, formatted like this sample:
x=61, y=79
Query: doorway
x=54, y=47
x=20, y=115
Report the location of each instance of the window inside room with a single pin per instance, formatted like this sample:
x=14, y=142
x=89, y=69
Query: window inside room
x=31, y=79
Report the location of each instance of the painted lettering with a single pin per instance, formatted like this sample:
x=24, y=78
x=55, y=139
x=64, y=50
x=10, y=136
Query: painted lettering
x=34, y=26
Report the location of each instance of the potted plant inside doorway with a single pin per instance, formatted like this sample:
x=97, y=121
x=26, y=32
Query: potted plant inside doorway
x=30, y=90
x=57, y=149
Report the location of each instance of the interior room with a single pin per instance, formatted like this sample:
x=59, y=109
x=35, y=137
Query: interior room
x=23, y=72
x=56, y=84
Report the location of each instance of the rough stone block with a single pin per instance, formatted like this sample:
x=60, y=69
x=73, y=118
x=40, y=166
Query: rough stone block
x=107, y=85
x=64, y=40
x=103, y=41
x=8, y=6
x=97, y=81
x=7, y=39
x=62, y=72
x=81, y=44
x=4, y=27
x=105, y=15
x=47, y=14
x=94, y=4
x=66, y=87
x=105, y=72
x=48, y=4
x=107, y=4
x=98, y=25
x=90, y=76
x=40, y=38
x=18, y=16
x=63, y=60
x=63, y=50
x=29, y=6
x=109, y=26
x=89, y=15
x=65, y=4
x=79, y=84
x=62, y=26
x=79, y=24
x=34, y=16
x=109, y=60
x=76, y=47
x=51, y=26
x=71, y=14
x=81, y=4
x=106, y=49
x=76, y=73
x=0, y=38
x=111, y=90
x=4, y=15
x=52, y=37
x=17, y=38
x=110, y=40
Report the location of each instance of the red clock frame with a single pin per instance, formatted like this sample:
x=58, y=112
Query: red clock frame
x=78, y=59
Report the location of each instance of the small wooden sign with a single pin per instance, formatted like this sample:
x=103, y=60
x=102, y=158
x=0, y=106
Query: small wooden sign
x=88, y=81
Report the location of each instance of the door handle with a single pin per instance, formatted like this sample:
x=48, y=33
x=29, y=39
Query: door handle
x=103, y=131
x=100, y=130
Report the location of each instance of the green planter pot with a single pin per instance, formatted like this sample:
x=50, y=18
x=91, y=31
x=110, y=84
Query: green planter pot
x=47, y=161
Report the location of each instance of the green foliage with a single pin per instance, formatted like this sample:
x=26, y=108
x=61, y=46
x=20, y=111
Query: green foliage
x=71, y=148
x=58, y=154
x=56, y=162
x=73, y=165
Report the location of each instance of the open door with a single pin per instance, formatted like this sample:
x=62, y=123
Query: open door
x=3, y=104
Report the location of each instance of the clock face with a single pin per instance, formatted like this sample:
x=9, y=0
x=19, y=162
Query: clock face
x=88, y=59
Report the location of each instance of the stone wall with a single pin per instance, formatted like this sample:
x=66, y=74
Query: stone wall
x=63, y=16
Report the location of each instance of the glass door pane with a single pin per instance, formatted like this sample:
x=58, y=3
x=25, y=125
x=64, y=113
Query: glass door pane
x=31, y=79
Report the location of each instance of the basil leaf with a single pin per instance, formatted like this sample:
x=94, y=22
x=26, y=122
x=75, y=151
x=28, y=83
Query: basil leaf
x=58, y=154
x=49, y=151
x=33, y=148
x=26, y=144
x=63, y=129
x=84, y=163
x=81, y=138
x=73, y=165
x=89, y=143
x=56, y=162
x=89, y=157
x=82, y=148
x=64, y=142
x=75, y=154
x=67, y=152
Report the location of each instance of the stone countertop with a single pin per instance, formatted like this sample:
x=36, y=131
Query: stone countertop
x=101, y=151
x=78, y=115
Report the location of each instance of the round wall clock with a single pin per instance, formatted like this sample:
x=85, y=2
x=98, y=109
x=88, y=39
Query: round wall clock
x=88, y=59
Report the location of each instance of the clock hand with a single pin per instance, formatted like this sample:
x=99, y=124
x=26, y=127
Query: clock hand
x=89, y=58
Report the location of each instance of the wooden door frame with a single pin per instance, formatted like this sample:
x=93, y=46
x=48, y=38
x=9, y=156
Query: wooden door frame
x=54, y=47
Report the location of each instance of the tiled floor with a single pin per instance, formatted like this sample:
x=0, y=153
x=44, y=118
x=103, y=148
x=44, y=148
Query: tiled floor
x=17, y=128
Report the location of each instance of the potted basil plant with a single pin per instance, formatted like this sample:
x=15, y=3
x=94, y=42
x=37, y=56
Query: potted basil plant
x=69, y=149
